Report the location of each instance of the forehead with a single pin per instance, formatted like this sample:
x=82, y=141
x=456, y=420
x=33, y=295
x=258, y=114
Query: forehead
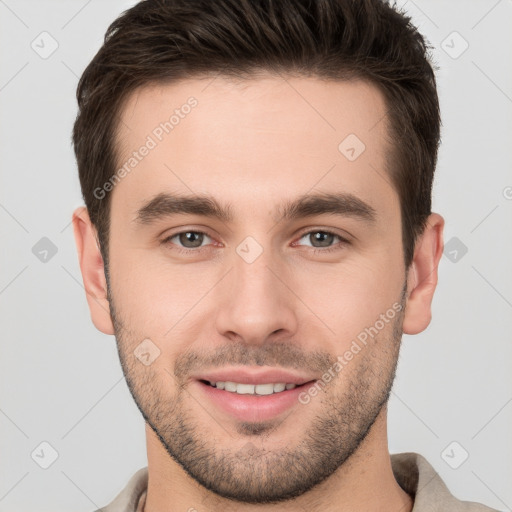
x=264, y=139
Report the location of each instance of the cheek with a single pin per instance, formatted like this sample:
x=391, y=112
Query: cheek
x=156, y=298
x=347, y=298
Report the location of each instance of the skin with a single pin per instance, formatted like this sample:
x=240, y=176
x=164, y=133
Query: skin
x=255, y=145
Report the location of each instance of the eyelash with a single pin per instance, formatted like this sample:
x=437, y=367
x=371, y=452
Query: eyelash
x=315, y=250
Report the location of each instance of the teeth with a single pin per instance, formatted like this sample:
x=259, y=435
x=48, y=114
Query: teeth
x=252, y=389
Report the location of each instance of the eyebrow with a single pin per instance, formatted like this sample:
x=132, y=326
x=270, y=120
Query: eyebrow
x=342, y=204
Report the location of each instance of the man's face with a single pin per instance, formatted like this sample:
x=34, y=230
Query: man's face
x=260, y=290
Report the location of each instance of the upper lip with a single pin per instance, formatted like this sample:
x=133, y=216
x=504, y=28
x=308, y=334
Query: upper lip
x=255, y=376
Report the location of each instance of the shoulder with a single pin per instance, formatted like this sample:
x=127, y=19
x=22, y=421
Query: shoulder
x=128, y=499
x=419, y=479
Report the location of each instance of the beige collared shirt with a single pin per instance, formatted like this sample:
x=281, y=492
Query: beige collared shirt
x=412, y=472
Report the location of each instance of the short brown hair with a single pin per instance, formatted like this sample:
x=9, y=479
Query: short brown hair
x=169, y=40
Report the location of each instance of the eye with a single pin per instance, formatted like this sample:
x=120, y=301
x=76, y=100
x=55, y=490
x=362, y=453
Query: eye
x=187, y=240
x=191, y=241
x=321, y=240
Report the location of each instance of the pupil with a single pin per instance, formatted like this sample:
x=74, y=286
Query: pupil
x=189, y=236
x=323, y=237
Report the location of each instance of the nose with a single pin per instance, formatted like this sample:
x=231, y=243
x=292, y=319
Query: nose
x=258, y=302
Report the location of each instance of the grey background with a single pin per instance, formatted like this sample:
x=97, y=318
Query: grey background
x=61, y=382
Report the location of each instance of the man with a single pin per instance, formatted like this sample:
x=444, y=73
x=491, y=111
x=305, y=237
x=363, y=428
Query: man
x=258, y=235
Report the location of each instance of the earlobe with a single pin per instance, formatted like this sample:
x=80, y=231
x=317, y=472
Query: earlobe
x=93, y=271
x=422, y=276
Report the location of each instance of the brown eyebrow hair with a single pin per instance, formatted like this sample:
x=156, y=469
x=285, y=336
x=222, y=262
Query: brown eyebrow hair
x=308, y=205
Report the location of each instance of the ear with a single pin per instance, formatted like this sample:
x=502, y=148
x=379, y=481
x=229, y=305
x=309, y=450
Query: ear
x=422, y=276
x=93, y=271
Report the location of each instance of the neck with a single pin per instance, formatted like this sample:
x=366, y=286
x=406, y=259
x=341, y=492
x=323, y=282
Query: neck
x=364, y=482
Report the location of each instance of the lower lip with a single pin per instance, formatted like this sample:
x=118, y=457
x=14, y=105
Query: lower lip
x=253, y=408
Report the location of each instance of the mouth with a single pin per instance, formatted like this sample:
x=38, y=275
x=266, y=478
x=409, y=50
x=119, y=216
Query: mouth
x=254, y=389
x=252, y=402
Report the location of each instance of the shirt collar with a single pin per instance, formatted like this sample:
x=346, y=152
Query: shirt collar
x=412, y=472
